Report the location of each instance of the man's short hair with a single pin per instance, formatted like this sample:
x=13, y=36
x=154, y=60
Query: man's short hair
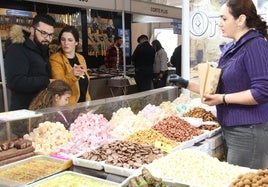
x=141, y=37
x=117, y=38
x=45, y=18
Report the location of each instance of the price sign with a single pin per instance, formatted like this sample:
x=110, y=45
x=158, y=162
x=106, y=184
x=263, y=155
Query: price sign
x=163, y=147
x=131, y=81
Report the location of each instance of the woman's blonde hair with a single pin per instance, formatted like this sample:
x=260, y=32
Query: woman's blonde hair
x=47, y=96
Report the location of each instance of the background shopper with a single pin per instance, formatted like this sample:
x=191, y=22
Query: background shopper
x=175, y=59
x=160, y=65
x=70, y=66
x=241, y=98
x=143, y=59
x=114, y=56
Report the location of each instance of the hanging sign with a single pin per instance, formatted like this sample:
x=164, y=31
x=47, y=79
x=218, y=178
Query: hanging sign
x=98, y=4
x=155, y=9
x=19, y=13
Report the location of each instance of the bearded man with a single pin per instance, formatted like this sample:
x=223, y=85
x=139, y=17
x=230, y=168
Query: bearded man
x=114, y=57
x=26, y=61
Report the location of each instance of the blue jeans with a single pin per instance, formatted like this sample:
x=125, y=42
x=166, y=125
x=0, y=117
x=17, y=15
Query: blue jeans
x=247, y=145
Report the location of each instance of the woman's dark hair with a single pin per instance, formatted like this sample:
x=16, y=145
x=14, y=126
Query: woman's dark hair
x=70, y=29
x=46, y=97
x=157, y=45
x=247, y=7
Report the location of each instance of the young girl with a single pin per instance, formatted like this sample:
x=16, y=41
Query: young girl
x=56, y=94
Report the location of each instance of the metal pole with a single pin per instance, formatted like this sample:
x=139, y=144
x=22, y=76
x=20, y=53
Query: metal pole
x=185, y=42
x=3, y=77
x=124, y=39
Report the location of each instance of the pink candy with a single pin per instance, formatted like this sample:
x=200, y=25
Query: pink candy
x=88, y=132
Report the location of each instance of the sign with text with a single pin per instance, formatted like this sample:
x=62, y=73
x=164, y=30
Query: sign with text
x=155, y=9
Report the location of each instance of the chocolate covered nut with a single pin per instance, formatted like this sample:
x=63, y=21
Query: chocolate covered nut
x=10, y=144
x=4, y=146
x=125, y=154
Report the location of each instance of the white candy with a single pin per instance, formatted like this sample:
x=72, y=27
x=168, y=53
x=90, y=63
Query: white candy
x=48, y=137
x=195, y=168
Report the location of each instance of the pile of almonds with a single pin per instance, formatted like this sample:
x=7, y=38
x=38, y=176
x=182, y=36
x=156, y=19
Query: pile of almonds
x=176, y=129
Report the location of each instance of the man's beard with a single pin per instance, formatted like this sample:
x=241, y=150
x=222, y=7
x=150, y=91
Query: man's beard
x=42, y=46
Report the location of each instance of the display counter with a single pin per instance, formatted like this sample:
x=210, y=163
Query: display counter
x=175, y=166
x=17, y=123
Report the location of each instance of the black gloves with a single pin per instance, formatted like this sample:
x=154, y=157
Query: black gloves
x=177, y=80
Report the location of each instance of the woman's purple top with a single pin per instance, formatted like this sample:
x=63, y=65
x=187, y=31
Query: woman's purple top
x=244, y=66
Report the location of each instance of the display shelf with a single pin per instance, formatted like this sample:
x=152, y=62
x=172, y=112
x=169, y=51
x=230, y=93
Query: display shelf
x=119, y=170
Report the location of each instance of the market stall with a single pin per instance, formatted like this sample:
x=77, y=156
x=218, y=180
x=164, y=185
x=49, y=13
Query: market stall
x=124, y=125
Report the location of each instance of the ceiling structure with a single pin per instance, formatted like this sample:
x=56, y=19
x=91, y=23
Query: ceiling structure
x=153, y=19
x=176, y=3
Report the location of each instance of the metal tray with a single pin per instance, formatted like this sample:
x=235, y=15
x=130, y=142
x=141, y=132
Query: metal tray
x=191, y=142
x=88, y=163
x=119, y=170
x=65, y=165
x=184, y=145
x=74, y=176
x=214, y=132
x=201, y=137
x=9, y=183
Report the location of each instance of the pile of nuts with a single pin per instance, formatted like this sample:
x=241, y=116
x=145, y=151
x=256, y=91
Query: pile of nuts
x=199, y=112
x=208, y=127
x=149, y=137
x=254, y=179
x=176, y=129
x=124, y=154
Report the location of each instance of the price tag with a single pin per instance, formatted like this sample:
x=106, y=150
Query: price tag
x=131, y=81
x=162, y=146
